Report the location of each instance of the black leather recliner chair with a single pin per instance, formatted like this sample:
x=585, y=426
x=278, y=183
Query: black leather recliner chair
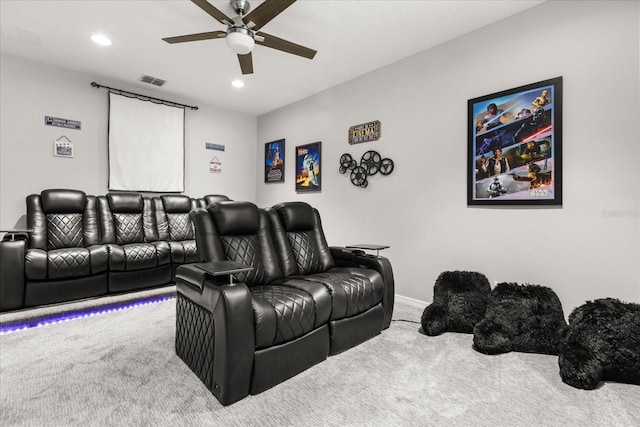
x=293, y=309
x=358, y=311
x=137, y=259
x=246, y=337
x=175, y=227
x=62, y=257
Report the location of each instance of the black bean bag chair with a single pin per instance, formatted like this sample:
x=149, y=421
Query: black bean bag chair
x=525, y=318
x=459, y=302
x=602, y=343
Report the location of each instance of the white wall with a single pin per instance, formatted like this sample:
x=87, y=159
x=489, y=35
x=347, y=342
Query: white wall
x=588, y=248
x=32, y=90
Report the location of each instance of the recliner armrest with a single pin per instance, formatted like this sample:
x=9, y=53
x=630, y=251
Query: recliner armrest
x=219, y=272
x=234, y=343
x=382, y=266
x=11, y=236
x=12, y=278
x=345, y=257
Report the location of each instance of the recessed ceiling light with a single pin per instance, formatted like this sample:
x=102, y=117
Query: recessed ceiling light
x=101, y=39
x=237, y=83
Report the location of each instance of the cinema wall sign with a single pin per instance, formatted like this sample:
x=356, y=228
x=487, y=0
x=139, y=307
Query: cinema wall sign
x=364, y=133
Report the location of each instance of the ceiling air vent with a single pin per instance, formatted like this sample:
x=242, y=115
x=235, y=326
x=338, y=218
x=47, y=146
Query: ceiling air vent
x=152, y=80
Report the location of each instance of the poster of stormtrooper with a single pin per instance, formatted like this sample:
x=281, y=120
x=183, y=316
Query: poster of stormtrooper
x=308, y=167
x=515, y=146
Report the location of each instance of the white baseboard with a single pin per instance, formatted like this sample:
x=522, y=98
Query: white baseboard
x=411, y=301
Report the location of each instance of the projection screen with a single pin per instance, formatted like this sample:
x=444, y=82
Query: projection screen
x=146, y=145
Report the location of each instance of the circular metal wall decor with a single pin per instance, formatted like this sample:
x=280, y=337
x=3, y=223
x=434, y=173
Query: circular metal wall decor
x=371, y=163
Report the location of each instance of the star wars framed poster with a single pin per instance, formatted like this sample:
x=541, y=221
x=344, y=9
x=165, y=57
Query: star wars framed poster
x=274, y=161
x=515, y=146
x=308, y=172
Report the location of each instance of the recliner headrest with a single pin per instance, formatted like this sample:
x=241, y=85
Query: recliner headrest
x=176, y=204
x=63, y=201
x=235, y=218
x=295, y=216
x=125, y=202
x=213, y=198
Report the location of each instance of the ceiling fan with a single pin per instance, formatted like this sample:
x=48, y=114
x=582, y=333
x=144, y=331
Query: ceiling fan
x=242, y=31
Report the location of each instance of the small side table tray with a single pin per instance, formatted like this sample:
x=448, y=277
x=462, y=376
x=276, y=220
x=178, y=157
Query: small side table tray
x=14, y=232
x=369, y=247
x=223, y=268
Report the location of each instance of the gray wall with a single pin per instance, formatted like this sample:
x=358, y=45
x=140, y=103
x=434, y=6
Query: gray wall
x=588, y=248
x=32, y=90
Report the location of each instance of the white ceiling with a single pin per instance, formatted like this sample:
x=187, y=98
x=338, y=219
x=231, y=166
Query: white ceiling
x=352, y=37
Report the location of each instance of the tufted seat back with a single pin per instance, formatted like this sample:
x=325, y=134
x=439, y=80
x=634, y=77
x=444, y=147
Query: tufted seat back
x=175, y=227
x=126, y=218
x=172, y=217
x=299, y=239
x=62, y=219
x=238, y=231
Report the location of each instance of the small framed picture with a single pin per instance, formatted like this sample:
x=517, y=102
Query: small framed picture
x=274, y=161
x=63, y=148
x=515, y=146
x=308, y=169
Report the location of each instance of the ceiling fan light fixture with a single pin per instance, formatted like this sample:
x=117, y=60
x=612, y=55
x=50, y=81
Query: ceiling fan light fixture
x=240, y=40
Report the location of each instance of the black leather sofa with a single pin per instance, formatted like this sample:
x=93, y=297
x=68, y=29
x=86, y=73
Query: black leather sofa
x=300, y=302
x=83, y=246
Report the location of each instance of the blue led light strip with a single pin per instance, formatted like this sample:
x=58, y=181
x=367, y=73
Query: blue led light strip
x=52, y=319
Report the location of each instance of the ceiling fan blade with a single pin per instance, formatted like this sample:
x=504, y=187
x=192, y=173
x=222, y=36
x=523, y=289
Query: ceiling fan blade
x=195, y=37
x=213, y=11
x=286, y=46
x=246, y=63
x=264, y=13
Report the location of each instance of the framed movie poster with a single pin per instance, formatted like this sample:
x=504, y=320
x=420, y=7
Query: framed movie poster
x=308, y=160
x=274, y=161
x=515, y=146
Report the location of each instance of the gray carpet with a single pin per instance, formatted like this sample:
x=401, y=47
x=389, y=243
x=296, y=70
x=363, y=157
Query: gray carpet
x=121, y=369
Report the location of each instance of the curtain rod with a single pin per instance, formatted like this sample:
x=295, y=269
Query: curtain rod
x=143, y=97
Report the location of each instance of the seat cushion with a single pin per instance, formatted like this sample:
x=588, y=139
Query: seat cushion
x=351, y=293
x=183, y=252
x=138, y=256
x=65, y=263
x=281, y=314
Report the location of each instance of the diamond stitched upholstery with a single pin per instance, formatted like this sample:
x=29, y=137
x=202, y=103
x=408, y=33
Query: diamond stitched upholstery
x=190, y=251
x=139, y=256
x=128, y=228
x=305, y=252
x=358, y=291
x=64, y=231
x=72, y=262
x=244, y=249
x=180, y=227
x=295, y=310
x=195, y=335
